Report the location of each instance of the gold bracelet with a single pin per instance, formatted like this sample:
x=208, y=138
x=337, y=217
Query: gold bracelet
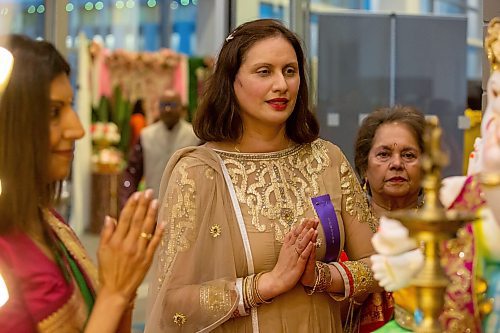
x=325, y=277
x=489, y=179
x=249, y=291
x=256, y=289
x=245, y=294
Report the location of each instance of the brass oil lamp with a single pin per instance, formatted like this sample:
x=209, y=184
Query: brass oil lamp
x=430, y=226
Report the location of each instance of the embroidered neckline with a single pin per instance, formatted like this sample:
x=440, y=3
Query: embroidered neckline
x=260, y=156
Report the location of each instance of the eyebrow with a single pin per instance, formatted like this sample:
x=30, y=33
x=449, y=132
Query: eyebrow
x=294, y=64
x=391, y=147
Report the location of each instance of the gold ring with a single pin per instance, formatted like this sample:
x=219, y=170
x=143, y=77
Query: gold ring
x=297, y=251
x=146, y=236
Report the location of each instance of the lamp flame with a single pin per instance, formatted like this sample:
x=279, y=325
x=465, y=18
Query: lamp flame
x=4, y=292
x=6, y=63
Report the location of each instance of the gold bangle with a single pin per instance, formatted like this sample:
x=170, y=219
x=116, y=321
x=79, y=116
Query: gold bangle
x=256, y=289
x=489, y=179
x=252, y=303
x=309, y=290
x=325, y=277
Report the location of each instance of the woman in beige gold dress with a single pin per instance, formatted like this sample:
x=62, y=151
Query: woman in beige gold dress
x=256, y=217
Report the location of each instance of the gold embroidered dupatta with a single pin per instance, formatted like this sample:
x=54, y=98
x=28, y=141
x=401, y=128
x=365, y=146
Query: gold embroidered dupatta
x=180, y=298
x=73, y=315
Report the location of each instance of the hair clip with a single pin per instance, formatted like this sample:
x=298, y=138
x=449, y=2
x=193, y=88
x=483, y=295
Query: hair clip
x=228, y=38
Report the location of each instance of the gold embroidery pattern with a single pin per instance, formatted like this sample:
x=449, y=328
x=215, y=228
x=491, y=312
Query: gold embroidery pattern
x=362, y=276
x=209, y=173
x=71, y=317
x=456, y=253
x=278, y=185
x=215, y=299
x=182, y=220
x=472, y=196
x=215, y=230
x=179, y=318
x=356, y=202
x=73, y=245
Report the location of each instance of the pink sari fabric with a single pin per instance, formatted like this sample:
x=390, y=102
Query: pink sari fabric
x=42, y=299
x=36, y=285
x=458, y=260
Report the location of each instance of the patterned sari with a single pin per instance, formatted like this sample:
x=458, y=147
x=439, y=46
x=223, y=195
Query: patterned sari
x=46, y=295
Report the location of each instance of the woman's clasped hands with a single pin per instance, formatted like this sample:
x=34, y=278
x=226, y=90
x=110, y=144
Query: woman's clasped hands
x=127, y=247
x=296, y=261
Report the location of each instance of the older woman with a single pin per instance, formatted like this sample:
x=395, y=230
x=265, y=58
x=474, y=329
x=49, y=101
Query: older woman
x=236, y=257
x=388, y=148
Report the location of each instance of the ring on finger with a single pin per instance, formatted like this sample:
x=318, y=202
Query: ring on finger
x=146, y=235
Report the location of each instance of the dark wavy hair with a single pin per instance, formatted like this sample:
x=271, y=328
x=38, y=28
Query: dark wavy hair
x=218, y=115
x=407, y=115
x=24, y=131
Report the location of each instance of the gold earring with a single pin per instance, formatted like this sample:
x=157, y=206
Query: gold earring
x=365, y=188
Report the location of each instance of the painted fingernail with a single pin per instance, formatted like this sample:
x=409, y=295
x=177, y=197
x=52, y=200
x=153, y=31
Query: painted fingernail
x=148, y=194
x=154, y=204
x=107, y=221
x=136, y=196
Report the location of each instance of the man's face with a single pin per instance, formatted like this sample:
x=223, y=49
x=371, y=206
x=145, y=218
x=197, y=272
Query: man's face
x=170, y=108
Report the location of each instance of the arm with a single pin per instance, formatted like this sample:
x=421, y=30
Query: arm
x=132, y=174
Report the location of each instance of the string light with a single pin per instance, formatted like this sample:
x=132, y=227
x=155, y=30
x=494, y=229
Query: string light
x=119, y=4
x=151, y=3
x=69, y=7
x=99, y=5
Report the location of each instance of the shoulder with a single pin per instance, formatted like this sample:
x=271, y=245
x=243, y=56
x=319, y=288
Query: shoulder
x=11, y=246
x=196, y=163
x=334, y=153
x=151, y=129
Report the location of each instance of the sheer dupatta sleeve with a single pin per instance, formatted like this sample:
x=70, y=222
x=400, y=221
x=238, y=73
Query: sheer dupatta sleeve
x=359, y=225
x=195, y=279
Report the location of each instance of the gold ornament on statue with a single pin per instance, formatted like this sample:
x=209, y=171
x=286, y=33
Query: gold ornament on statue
x=430, y=226
x=492, y=43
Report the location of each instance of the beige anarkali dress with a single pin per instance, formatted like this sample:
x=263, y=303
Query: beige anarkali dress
x=202, y=258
